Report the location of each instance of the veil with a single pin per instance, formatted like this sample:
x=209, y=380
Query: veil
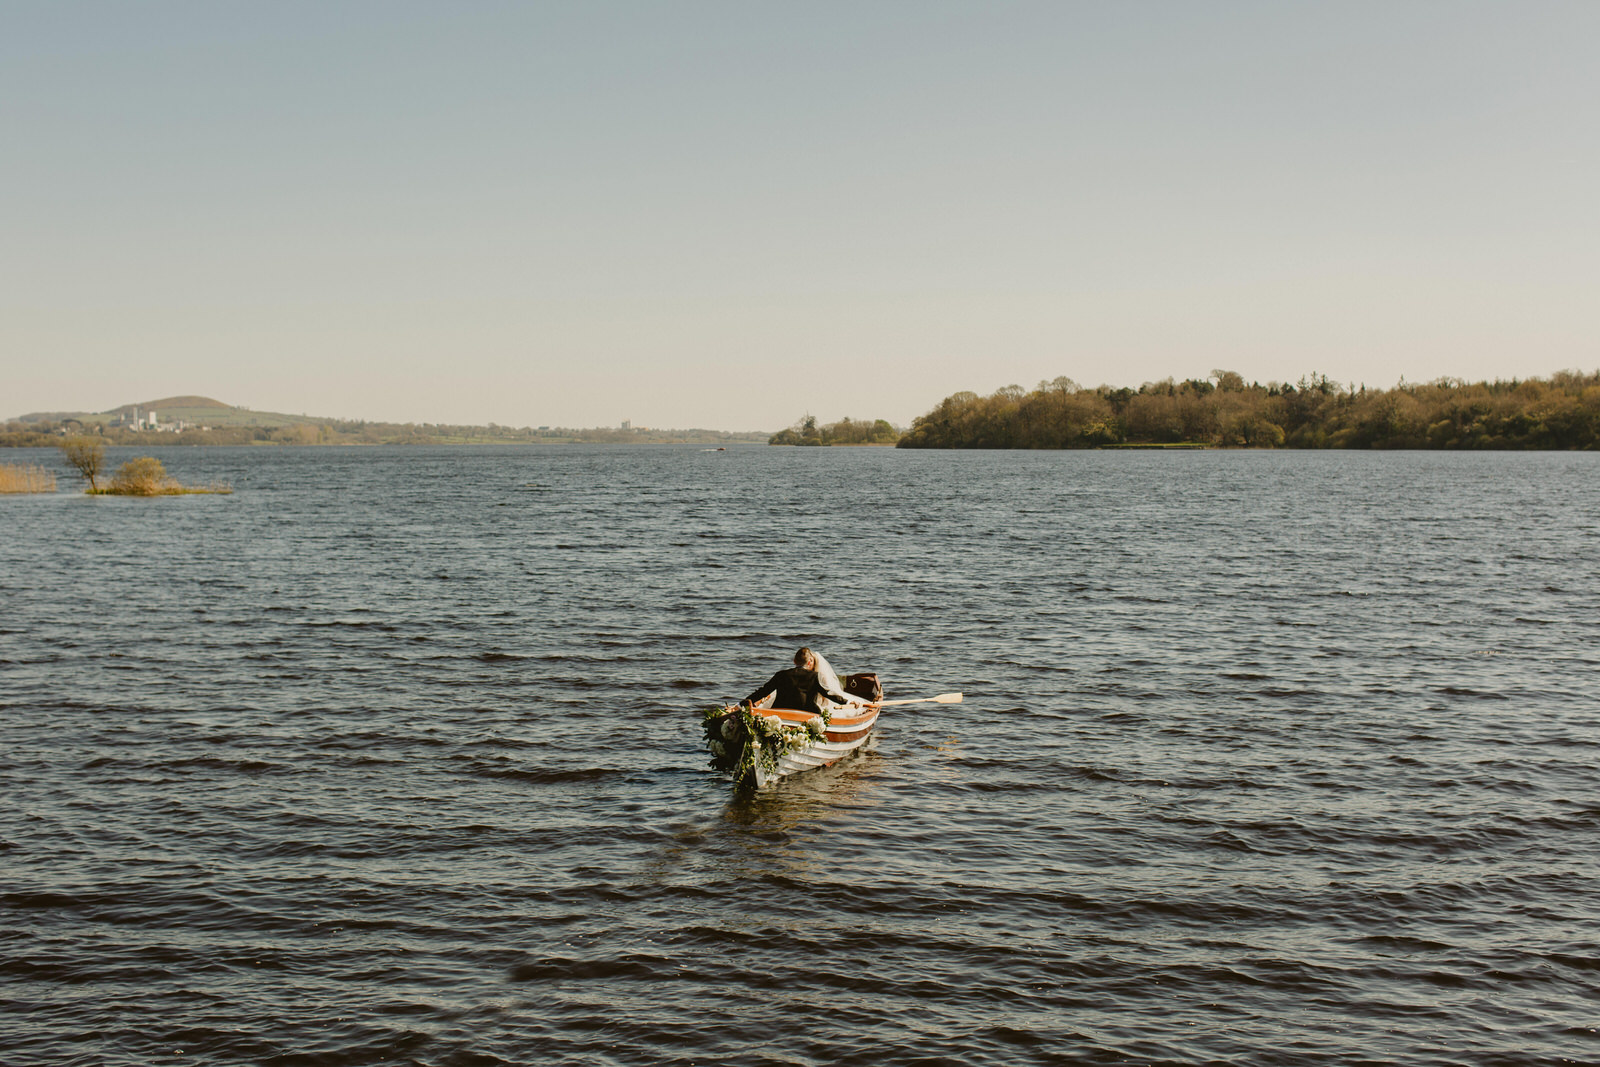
x=825, y=674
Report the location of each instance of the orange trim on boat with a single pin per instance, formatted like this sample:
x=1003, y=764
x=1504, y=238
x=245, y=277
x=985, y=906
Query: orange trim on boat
x=799, y=718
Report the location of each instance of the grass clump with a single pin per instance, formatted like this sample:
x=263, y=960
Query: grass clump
x=146, y=476
x=25, y=478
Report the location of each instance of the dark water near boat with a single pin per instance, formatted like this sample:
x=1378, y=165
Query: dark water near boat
x=392, y=758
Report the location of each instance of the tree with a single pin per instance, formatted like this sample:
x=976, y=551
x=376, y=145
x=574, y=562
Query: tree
x=88, y=455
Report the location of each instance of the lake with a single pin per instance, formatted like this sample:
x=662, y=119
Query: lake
x=393, y=757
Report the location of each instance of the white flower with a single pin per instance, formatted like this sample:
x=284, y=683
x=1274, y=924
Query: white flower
x=717, y=750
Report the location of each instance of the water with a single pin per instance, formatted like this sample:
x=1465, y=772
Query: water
x=391, y=757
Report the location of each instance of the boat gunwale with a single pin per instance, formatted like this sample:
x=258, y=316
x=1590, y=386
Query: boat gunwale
x=793, y=717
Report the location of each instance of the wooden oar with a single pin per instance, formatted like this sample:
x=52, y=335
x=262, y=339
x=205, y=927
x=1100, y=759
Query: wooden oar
x=942, y=698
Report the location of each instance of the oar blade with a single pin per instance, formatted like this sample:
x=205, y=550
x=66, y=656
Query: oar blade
x=947, y=698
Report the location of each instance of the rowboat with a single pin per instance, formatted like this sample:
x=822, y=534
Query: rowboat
x=759, y=745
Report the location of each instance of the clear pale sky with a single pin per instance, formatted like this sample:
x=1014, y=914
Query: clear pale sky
x=730, y=214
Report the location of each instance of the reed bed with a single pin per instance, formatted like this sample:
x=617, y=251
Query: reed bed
x=26, y=478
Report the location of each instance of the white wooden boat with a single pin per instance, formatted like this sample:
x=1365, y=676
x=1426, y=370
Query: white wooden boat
x=764, y=744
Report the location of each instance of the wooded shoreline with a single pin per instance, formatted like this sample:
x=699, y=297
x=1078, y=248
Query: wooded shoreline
x=1222, y=411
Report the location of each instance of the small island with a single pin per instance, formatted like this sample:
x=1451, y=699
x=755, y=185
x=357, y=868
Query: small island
x=142, y=476
x=846, y=431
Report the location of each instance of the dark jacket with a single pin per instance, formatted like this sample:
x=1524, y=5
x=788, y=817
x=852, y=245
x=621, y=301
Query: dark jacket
x=797, y=689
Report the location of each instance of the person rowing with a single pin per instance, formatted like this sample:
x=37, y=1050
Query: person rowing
x=802, y=687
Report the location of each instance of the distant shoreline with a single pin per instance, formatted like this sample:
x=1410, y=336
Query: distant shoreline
x=36, y=440
x=201, y=420
x=1222, y=410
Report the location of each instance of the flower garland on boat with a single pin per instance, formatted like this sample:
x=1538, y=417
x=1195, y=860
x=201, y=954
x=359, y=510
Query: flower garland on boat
x=729, y=731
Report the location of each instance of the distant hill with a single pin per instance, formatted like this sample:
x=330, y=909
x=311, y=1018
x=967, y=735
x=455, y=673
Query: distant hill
x=188, y=403
x=200, y=410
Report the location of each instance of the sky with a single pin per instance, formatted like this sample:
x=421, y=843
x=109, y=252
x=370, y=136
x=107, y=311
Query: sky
x=732, y=214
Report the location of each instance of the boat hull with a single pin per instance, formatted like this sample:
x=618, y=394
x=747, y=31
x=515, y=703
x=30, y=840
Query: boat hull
x=842, y=736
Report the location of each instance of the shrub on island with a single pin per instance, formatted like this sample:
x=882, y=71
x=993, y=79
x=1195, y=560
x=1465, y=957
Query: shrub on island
x=146, y=476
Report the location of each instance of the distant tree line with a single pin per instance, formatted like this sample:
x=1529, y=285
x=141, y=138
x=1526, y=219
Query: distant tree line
x=1561, y=412
x=846, y=431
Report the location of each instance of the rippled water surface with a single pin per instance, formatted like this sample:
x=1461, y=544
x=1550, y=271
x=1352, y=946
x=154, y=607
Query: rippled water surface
x=392, y=757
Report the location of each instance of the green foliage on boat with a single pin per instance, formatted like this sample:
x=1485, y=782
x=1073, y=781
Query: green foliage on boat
x=728, y=736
